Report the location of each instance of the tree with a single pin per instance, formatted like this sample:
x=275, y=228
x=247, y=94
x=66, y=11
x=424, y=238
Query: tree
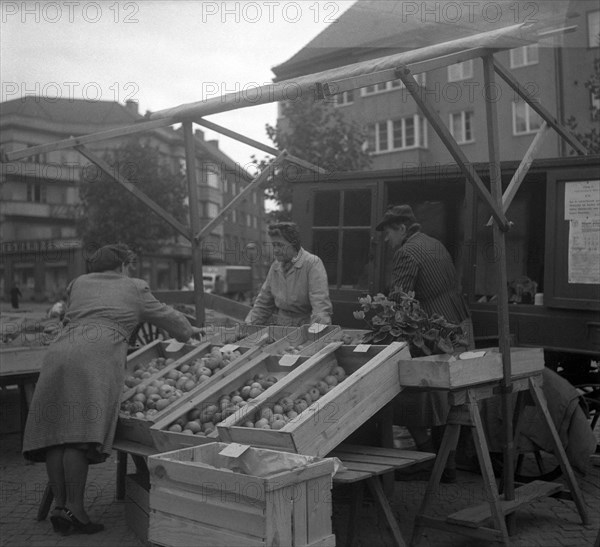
x=315, y=131
x=110, y=214
x=591, y=138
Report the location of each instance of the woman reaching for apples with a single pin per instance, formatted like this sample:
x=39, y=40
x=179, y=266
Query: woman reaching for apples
x=296, y=291
x=73, y=414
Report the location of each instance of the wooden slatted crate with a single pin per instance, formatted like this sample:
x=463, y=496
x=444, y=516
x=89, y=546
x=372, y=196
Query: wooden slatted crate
x=371, y=382
x=451, y=372
x=300, y=341
x=199, y=497
x=137, y=428
x=263, y=364
x=154, y=350
x=137, y=505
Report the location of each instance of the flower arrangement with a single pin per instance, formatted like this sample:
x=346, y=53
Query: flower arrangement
x=405, y=320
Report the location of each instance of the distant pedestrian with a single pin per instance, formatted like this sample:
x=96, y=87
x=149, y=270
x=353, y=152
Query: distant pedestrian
x=15, y=293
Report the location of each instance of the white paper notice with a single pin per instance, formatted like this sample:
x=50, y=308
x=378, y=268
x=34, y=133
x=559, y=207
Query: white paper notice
x=582, y=200
x=584, y=251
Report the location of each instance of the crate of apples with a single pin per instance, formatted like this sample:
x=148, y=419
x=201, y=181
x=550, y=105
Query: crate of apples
x=199, y=415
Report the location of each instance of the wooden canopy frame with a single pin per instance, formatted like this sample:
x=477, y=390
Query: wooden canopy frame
x=323, y=84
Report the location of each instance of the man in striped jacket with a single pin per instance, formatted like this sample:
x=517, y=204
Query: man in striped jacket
x=422, y=264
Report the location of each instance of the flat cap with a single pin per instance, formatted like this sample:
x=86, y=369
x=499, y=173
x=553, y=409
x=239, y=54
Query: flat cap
x=396, y=213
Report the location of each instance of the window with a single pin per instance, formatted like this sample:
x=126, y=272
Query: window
x=461, y=126
x=525, y=119
x=593, y=21
x=390, y=86
x=36, y=192
x=523, y=56
x=400, y=134
x=344, y=98
x=460, y=71
x=212, y=209
x=212, y=178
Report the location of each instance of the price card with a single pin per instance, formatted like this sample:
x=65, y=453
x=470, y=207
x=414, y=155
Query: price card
x=362, y=348
x=315, y=328
x=288, y=360
x=174, y=345
x=234, y=450
x=229, y=347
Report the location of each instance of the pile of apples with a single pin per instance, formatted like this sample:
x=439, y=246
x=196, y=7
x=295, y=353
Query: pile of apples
x=348, y=338
x=277, y=415
x=203, y=419
x=150, y=398
x=294, y=349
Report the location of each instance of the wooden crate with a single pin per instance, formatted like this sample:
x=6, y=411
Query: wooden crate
x=197, y=499
x=355, y=335
x=309, y=342
x=137, y=505
x=273, y=333
x=451, y=372
x=267, y=365
x=154, y=349
x=371, y=382
x=138, y=429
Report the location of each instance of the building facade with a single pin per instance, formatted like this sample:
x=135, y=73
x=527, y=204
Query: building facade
x=554, y=71
x=41, y=249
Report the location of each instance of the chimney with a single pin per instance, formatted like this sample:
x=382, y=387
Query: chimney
x=199, y=134
x=132, y=106
x=214, y=142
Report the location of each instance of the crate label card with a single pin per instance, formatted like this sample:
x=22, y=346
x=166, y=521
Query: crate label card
x=471, y=355
x=234, y=450
x=362, y=348
x=229, y=347
x=288, y=360
x=174, y=346
x=315, y=328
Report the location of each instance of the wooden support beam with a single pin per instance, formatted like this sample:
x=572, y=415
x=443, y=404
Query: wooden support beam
x=262, y=177
x=440, y=128
x=502, y=286
x=334, y=87
x=545, y=114
x=258, y=145
x=132, y=189
x=86, y=139
x=190, y=173
x=522, y=170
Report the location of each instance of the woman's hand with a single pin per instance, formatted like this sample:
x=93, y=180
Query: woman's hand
x=198, y=332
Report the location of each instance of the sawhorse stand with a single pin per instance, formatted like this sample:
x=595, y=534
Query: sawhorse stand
x=475, y=521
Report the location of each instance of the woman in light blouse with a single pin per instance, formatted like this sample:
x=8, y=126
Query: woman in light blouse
x=296, y=291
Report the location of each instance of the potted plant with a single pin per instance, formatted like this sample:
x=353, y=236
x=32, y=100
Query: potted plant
x=404, y=320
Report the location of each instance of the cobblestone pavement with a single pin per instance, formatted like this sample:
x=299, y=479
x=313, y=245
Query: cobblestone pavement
x=547, y=522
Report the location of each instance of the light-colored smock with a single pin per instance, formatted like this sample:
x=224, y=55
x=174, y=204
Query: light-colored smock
x=76, y=399
x=299, y=296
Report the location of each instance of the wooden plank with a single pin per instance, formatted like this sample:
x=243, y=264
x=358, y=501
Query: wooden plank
x=209, y=510
x=371, y=468
x=414, y=455
x=87, y=139
x=476, y=515
x=483, y=533
x=132, y=189
x=467, y=168
x=137, y=520
x=279, y=91
x=319, y=508
x=534, y=103
x=349, y=459
x=298, y=494
x=523, y=169
x=278, y=512
x=350, y=476
x=137, y=489
x=15, y=361
x=378, y=494
x=177, y=532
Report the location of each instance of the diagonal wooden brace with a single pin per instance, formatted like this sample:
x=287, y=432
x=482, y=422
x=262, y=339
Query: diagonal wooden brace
x=264, y=175
x=167, y=217
x=258, y=145
x=440, y=128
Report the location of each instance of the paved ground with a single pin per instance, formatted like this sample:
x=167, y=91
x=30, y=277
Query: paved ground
x=545, y=523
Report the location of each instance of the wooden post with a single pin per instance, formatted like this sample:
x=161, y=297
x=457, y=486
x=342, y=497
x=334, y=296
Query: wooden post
x=490, y=89
x=190, y=172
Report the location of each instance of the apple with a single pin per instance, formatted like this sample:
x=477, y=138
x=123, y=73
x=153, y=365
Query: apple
x=255, y=392
x=314, y=393
x=248, y=423
x=261, y=423
x=287, y=404
x=338, y=372
x=278, y=409
x=331, y=380
x=277, y=424
x=176, y=428
x=323, y=387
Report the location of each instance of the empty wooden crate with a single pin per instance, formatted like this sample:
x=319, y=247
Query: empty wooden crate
x=260, y=498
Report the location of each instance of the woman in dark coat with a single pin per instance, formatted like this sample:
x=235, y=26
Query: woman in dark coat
x=73, y=414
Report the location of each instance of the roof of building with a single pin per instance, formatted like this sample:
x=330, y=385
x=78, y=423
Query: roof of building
x=375, y=25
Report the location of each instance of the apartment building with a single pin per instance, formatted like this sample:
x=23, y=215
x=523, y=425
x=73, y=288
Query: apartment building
x=554, y=71
x=41, y=249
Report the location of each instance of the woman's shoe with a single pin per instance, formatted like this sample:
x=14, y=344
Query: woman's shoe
x=60, y=524
x=88, y=528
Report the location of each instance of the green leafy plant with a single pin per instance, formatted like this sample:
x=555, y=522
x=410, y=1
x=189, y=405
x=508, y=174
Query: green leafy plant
x=405, y=320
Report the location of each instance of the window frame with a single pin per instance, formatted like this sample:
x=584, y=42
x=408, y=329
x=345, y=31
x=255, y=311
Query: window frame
x=593, y=29
x=525, y=56
x=420, y=134
x=462, y=76
x=528, y=116
x=464, y=114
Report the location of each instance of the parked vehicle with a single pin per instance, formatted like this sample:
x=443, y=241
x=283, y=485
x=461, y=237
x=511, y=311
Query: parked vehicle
x=231, y=281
